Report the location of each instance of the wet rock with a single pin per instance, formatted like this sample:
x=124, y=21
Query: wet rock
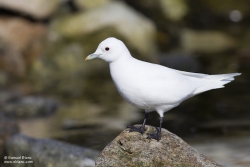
x=21, y=43
x=8, y=96
x=134, y=149
x=206, y=41
x=120, y=21
x=89, y=4
x=47, y=152
x=39, y=9
x=15, y=105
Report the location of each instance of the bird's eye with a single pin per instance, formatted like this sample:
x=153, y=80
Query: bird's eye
x=107, y=48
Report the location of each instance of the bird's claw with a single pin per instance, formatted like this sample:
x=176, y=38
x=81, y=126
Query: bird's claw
x=136, y=129
x=156, y=136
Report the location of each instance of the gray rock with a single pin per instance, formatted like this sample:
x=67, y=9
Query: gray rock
x=14, y=104
x=8, y=127
x=37, y=8
x=8, y=96
x=206, y=41
x=47, y=152
x=134, y=149
x=114, y=19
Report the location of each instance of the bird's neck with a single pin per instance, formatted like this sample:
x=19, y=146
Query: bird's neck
x=123, y=59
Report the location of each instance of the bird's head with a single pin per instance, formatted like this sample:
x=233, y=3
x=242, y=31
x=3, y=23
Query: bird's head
x=110, y=50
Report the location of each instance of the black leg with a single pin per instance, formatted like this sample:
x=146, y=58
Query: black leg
x=157, y=135
x=140, y=129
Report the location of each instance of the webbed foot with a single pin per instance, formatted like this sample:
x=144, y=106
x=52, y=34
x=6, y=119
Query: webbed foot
x=136, y=129
x=156, y=136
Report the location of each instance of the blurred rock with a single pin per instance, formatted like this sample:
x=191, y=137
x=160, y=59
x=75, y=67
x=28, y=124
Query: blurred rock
x=8, y=96
x=3, y=79
x=47, y=152
x=8, y=128
x=134, y=149
x=206, y=41
x=114, y=19
x=224, y=7
x=13, y=104
x=174, y=10
x=89, y=4
x=38, y=9
x=21, y=43
x=11, y=60
x=64, y=72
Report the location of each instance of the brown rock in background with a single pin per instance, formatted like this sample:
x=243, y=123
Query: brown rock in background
x=134, y=149
x=21, y=43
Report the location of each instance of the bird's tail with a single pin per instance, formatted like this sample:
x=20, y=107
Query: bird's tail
x=215, y=82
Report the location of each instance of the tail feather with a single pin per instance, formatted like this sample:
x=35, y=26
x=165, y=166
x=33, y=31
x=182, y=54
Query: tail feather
x=216, y=81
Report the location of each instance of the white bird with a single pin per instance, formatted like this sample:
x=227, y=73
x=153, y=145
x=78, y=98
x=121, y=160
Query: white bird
x=153, y=87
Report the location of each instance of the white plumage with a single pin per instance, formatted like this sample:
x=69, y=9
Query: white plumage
x=150, y=86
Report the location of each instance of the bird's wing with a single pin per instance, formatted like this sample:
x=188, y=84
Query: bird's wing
x=190, y=74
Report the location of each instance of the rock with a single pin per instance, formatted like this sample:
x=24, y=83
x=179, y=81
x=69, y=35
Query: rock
x=29, y=106
x=63, y=71
x=206, y=41
x=167, y=10
x=8, y=96
x=134, y=149
x=48, y=152
x=21, y=43
x=8, y=127
x=39, y=9
x=11, y=61
x=89, y=4
x=3, y=79
x=120, y=21
x=174, y=10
